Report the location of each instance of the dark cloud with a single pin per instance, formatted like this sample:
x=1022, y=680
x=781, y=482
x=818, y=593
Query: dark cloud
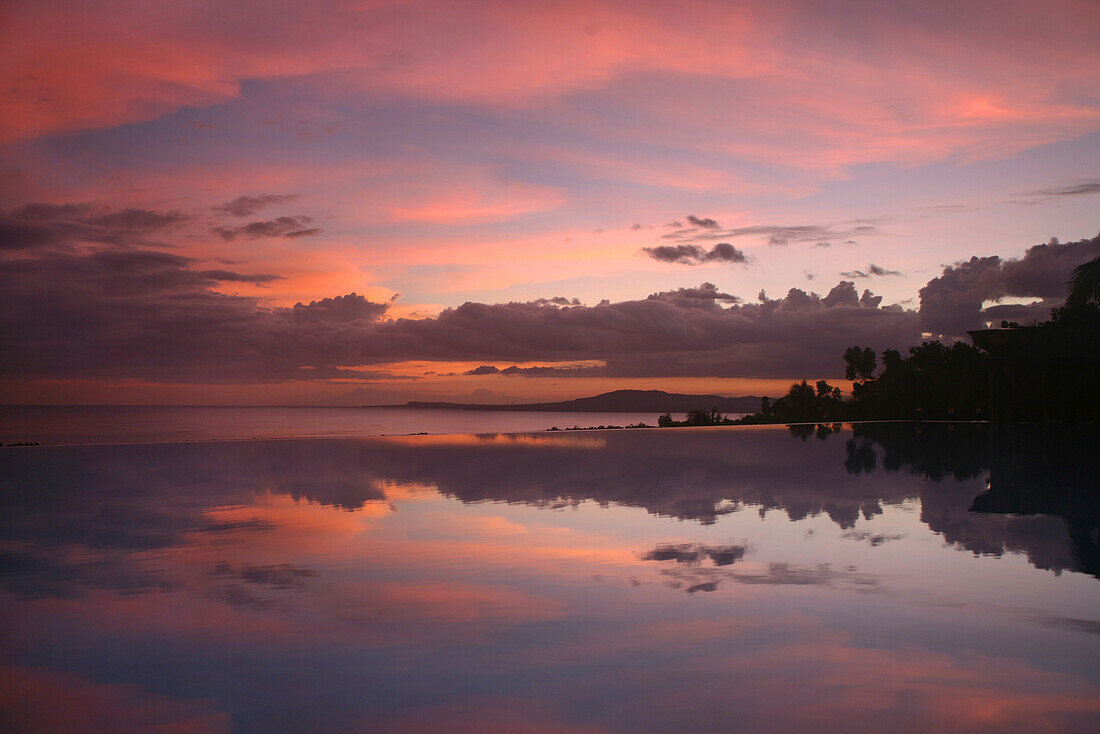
x=246, y=206
x=952, y=302
x=556, y=301
x=16, y=234
x=228, y=276
x=1077, y=189
x=820, y=234
x=154, y=315
x=536, y=371
x=702, y=222
x=842, y=294
x=40, y=225
x=725, y=252
x=127, y=312
x=686, y=254
x=705, y=295
x=137, y=219
x=696, y=255
x=53, y=212
x=544, y=371
x=338, y=310
x=869, y=299
x=286, y=227
x=119, y=312
x=91, y=215
x=668, y=335
x=872, y=270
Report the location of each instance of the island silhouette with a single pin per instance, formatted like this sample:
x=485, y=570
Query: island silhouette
x=617, y=401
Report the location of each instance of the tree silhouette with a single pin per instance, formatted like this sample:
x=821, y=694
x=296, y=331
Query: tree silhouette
x=935, y=382
x=860, y=363
x=1084, y=285
x=1083, y=298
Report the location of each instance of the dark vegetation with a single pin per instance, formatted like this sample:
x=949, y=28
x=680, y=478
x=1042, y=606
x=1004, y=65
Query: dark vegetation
x=1053, y=360
x=697, y=418
x=935, y=382
x=600, y=428
x=1083, y=300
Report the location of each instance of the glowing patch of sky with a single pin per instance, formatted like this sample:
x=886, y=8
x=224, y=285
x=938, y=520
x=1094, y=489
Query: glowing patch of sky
x=509, y=151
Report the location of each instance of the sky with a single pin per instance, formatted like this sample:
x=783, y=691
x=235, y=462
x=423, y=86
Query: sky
x=370, y=202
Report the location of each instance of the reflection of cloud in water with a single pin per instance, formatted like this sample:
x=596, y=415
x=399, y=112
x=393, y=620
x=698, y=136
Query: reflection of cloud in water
x=693, y=553
x=289, y=554
x=1090, y=626
x=34, y=700
x=707, y=578
x=45, y=570
x=875, y=539
x=130, y=498
x=280, y=576
x=532, y=440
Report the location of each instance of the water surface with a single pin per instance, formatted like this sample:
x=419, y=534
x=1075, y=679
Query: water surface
x=886, y=577
x=104, y=424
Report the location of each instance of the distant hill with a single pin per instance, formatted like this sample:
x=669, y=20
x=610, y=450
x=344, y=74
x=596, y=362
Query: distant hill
x=618, y=401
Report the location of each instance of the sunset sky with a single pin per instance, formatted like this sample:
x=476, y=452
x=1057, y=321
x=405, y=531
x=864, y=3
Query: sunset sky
x=360, y=202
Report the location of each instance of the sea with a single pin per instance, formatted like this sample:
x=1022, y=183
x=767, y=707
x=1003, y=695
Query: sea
x=282, y=570
x=107, y=424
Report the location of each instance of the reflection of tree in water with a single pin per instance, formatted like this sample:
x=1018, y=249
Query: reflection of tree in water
x=820, y=430
x=931, y=450
x=118, y=502
x=1042, y=484
x=1049, y=469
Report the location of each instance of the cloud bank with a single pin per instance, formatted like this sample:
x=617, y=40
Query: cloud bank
x=80, y=298
x=952, y=302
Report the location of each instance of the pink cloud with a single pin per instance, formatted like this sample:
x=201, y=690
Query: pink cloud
x=473, y=202
x=70, y=66
x=906, y=88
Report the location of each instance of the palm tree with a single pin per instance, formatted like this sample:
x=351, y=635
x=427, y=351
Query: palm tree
x=1084, y=285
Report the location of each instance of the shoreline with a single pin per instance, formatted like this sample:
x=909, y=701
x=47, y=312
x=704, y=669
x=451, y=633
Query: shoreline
x=539, y=432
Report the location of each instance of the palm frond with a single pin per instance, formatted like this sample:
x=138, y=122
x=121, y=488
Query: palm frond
x=1084, y=284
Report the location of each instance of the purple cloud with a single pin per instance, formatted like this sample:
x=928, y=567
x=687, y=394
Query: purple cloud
x=696, y=255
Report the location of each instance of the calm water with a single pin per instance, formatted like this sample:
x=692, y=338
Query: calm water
x=140, y=424
x=881, y=578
